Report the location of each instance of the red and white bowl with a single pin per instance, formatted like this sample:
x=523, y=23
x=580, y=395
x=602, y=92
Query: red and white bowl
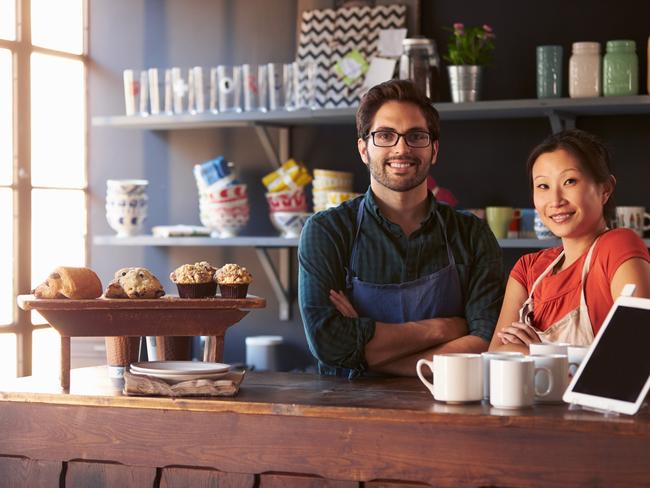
x=287, y=201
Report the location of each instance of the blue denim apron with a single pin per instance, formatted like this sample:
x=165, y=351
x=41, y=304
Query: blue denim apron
x=438, y=294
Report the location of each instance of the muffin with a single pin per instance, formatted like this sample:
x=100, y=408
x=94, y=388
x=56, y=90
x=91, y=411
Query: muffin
x=233, y=280
x=195, y=280
x=134, y=283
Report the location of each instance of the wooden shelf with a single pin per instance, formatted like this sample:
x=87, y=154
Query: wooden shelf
x=492, y=109
x=149, y=240
x=528, y=243
x=262, y=242
x=275, y=242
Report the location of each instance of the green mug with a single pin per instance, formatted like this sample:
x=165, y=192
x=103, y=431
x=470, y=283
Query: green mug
x=499, y=218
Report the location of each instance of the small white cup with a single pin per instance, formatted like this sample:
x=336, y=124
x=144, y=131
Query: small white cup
x=576, y=355
x=558, y=365
x=457, y=378
x=487, y=356
x=512, y=382
x=541, y=349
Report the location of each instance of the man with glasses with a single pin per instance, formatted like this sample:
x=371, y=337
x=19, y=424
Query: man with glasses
x=394, y=276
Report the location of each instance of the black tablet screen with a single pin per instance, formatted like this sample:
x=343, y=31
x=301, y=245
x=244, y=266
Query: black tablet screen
x=620, y=365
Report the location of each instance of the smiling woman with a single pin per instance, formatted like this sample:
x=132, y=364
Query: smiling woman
x=563, y=294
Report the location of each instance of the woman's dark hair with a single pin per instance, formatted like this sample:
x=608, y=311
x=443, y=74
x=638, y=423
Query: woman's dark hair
x=590, y=152
x=401, y=91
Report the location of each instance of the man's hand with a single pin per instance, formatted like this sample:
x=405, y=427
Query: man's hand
x=518, y=333
x=342, y=304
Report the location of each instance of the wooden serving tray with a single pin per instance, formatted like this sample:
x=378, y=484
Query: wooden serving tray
x=161, y=317
x=166, y=316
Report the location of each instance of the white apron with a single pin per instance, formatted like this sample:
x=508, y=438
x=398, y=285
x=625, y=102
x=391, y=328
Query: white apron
x=575, y=327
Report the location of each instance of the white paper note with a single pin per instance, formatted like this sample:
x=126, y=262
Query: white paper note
x=390, y=42
x=380, y=70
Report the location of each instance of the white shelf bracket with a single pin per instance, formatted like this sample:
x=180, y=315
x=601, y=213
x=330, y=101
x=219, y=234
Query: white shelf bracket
x=561, y=121
x=280, y=281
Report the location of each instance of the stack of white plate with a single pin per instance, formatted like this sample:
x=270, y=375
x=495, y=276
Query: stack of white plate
x=177, y=371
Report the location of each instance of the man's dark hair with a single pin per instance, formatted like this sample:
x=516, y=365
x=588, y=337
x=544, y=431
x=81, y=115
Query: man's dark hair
x=590, y=152
x=401, y=91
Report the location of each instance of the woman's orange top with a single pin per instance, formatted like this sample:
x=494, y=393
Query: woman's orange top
x=557, y=294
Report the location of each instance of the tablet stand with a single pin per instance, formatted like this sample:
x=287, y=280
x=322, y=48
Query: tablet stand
x=605, y=412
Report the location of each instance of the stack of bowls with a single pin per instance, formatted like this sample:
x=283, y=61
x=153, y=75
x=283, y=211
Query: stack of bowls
x=126, y=206
x=223, y=201
x=288, y=211
x=335, y=198
x=326, y=181
x=225, y=211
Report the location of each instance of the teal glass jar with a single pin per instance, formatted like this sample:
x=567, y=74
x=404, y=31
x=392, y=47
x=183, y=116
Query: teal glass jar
x=620, y=69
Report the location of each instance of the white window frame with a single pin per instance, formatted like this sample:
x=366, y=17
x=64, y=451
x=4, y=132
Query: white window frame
x=22, y=49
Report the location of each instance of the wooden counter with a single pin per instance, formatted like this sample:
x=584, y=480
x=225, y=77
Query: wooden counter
x=308, y=431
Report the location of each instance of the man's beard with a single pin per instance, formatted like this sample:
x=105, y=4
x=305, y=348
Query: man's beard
x=378, y=169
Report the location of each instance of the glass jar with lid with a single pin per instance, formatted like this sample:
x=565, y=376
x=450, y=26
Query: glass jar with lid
x=584, y=70
x=420, y=63
x=620, y=69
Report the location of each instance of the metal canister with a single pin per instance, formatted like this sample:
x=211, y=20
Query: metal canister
x=420, y=62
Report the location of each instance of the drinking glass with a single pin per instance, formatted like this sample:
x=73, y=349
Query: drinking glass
x=179, y=91
x=289, y=91
x=275, y=74
x=305, y=84
x=255, y=81
x=229, y=88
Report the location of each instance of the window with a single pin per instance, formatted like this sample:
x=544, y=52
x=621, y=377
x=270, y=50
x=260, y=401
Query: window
x=43, y=181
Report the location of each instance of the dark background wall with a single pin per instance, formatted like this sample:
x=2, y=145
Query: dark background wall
x=481, y=161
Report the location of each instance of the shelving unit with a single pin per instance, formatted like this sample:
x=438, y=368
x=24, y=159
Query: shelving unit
x=556, y=109
x=561, y=113
x=274, y=242
x=149, y=240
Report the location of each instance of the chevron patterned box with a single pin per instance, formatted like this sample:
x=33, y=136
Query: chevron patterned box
x=328, y=35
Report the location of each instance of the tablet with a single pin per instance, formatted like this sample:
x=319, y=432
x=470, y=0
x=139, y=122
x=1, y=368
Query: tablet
x=615, y=374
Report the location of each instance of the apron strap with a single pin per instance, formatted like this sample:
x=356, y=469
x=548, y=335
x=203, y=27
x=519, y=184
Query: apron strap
x=450, y=255
x=352, y=265
x=585, y=271
x=525, y=313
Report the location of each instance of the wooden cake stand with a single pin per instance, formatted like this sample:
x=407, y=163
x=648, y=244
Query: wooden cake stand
x=166, y=316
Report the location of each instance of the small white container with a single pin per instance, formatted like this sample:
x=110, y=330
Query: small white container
x=262, y=352
x=585, y=68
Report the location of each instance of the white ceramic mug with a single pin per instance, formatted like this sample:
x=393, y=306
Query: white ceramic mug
x=512, y=382
x=457, y=378
x=633, y=218
x=558, y=365
x=576, y=355
x=487, y=356
x=551, y=348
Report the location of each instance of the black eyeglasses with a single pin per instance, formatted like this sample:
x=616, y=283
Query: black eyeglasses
x=389, y=138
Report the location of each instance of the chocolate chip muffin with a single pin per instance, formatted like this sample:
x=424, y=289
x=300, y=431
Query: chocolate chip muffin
x=134, y=283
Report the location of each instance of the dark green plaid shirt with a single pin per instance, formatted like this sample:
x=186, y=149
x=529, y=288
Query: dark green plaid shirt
x=387, y=255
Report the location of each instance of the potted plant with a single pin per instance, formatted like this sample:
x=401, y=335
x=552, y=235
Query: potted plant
x=469, y=49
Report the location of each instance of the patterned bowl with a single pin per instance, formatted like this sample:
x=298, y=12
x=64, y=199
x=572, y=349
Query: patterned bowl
x=289, y=224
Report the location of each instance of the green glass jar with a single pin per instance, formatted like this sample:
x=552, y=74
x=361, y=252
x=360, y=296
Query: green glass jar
x=620, y=69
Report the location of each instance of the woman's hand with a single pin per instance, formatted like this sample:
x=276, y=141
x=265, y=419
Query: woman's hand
x=518, y=333
x=342, y=304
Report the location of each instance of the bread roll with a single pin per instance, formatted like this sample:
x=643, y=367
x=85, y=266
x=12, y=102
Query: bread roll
x=68, y=282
